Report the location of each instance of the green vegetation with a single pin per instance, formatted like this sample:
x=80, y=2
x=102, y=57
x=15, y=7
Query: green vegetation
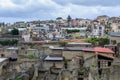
x=72, y=31
x=15, y=31
x=63, y=43
x=114, y=42
x=118, y=44
x=58, y=18
x=92, y=65
x=31, y=56
x=98, y=41
x=69, y=18
x=18, y=77
x=31, y=45
x=8, y=42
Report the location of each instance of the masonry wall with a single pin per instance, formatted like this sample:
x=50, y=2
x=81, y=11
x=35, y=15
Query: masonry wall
x=115, y=38
x=71, y=54
x=48, y=64
x=1, y=65
x=56, y=51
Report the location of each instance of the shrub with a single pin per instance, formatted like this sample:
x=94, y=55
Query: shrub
x=15, y=31
x=114, y=42
x=31, y=56
x=92, y=65
x=63, y=43
x=100, y=41
x=72, y=31
x=8, y=42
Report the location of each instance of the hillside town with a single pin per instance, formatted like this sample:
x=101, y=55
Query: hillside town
x=61, y=49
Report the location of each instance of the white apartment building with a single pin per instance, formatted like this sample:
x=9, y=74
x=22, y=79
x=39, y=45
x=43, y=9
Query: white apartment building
x=84, y=22
x=97, y=30
x=41, y=27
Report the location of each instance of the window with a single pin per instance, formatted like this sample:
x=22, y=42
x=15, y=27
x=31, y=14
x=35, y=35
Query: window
x=103, y=64
x=95, y=26
x=100, y=28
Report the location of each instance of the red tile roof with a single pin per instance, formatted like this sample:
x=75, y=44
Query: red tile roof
x=99, y=50
x=103, y=50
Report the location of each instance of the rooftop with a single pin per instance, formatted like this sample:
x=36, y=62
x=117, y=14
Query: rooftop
x=99, y=50
x=3, y=59
x=74, y=40
x=114, y=34
x=73, y=48
x=12, y=48
x=56, y=48
x=53, y=58
x=79, y=43
x=83, y=28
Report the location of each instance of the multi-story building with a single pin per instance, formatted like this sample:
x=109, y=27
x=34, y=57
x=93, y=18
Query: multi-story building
x=114, y=20
x=2, y=25
x=75, y=22
x=20, y=24
x=115, y=27
x=103, y=19
x=39, y=28
x=97, y=29
x=84, y=22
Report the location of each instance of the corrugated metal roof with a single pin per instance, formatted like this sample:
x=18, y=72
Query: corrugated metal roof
x=3, y=59
x=49, y=58
x=73, y=48
x=116, y=34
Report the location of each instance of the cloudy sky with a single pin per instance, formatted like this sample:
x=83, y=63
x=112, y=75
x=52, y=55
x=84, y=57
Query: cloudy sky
x=27, y=10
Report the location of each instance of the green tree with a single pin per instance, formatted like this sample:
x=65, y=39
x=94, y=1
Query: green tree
x=58, y=18
x=15, y=31
x=114, y=42
x=8, y=42
x=69, y=20
x=100, y=41
x=103, y=41
x=72, y=31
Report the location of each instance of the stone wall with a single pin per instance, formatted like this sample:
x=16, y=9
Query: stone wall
x=1, y=65
x=48, y=64
x=71, y=54
x=56, y=51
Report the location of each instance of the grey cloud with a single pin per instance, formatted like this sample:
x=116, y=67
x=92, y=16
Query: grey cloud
x=19, y=1
x=90, y=2
x=41, y=9
x=30, y=10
